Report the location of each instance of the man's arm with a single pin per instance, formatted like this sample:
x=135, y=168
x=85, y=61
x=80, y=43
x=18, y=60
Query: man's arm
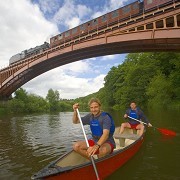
x=104, y=137
x=92, y=150
x=75, y=115
x=145, y=119
x=126, y=114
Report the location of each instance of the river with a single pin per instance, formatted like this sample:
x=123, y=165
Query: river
x=30, y=142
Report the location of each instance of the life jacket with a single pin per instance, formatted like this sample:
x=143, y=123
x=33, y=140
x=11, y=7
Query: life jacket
x=134, y=114
x=96, y=128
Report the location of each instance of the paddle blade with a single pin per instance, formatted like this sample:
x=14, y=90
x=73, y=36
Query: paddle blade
x=167, y=132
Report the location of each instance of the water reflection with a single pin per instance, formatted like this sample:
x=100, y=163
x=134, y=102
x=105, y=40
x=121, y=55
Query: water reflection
x=28, y=143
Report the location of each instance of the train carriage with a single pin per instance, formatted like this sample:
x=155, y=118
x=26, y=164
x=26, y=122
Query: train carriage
x=130, y=10
x=151, y=4
x=97, y=24
x=75, y=32
x=114, y=17
x=103, y=21
x=93, y=25
x=83, y=29
x=55, y=40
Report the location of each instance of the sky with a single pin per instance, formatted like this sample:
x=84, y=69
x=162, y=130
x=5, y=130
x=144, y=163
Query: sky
x=28, y=23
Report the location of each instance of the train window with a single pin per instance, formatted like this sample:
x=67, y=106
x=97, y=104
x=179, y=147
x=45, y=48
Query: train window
x=178, y=20
x=149, y=1
x=149, y=26
x=74, y=31
x=159, y=24
x=104, y=18
x=59, y=37
x=67, y=33
x=170, y=22
x=94, y=22
x=82, y=27
x=114, y=14
x=126, y=9
x=135, y=6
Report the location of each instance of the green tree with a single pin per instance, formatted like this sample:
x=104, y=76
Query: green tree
x=16, y=106
x=53, y=98
x=65, y=106
x=21, y=94
x=159, y=91
x=133, y=80
x=19, y=103
x=36, y=104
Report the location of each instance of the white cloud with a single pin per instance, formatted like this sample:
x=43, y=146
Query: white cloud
x=107, y=58
x=114, y=4
x=69, y=86
x=70, y=14
x=83, y=11
x=77, y=67
x=22, y=27
x=49, y=6
x=75, y=21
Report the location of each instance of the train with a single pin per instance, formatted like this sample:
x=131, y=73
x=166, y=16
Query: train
x=131, y=10
x=29, y=52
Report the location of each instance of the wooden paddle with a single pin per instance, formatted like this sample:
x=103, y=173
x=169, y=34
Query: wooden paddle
x=87, y=143
x=161, y=130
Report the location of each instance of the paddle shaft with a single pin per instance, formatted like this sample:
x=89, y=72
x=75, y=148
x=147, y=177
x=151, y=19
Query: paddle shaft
x=87, y=143
x=140, y=121
x=137, y=120
x=161, y=130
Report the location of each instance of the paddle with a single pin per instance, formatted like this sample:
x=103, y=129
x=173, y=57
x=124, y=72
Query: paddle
x=87, y=143
x=162, y=130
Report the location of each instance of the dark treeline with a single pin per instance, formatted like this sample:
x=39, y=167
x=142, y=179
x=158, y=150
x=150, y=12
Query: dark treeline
x=150, y=79
x=22, y=102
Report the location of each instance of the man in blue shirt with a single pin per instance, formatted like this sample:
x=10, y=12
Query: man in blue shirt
x=135, y=112
x=102, y=129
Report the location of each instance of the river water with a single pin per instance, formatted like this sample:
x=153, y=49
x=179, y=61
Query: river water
x=30, y=142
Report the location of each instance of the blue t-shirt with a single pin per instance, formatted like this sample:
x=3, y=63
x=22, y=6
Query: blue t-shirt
x=137, y=114
x=105, y=123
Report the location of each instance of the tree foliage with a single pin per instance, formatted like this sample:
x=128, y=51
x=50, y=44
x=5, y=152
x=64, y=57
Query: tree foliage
x=147, y=78
x=53, y=99
x=31, y=103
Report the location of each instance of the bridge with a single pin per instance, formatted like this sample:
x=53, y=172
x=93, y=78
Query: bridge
x=158, y=30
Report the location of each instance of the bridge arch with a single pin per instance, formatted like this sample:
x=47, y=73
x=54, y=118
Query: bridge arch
x=146, y=33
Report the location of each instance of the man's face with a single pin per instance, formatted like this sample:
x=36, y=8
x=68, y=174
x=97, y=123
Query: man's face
x=95, y=108
x=133, y=106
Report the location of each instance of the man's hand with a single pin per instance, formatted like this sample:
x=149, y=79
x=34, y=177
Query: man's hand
x=92, y=150
x=149, y=125
x=75, y=115
x=75, y=106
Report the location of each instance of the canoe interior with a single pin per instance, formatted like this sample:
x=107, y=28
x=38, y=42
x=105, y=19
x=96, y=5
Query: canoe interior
x=72, y=164
x=74, y=159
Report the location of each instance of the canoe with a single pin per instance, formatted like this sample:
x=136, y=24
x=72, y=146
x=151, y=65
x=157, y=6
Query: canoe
x=73, y=166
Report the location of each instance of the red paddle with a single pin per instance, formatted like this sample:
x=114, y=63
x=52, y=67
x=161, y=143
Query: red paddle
x=164, y=131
